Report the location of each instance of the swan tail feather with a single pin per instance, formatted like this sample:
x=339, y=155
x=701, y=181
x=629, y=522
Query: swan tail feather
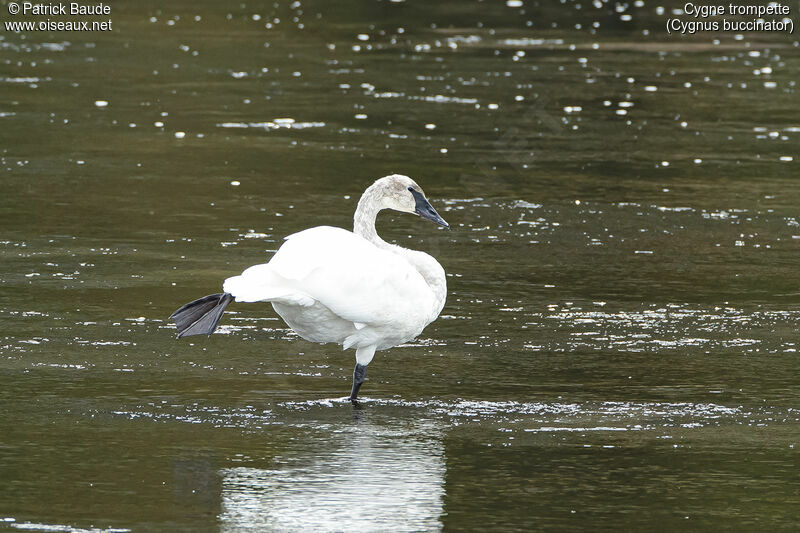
x=349, y=341
x=260, y=283
x=202, y=316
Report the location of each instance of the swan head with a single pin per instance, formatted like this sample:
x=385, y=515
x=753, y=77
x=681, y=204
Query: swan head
x=401, y=193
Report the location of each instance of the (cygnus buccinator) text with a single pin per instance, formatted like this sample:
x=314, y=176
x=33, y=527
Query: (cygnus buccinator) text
x=332, y=285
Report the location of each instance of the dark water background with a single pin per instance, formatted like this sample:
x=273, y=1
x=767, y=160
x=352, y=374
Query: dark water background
x=619, y=346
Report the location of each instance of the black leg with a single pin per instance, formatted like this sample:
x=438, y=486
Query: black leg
x=359, y=375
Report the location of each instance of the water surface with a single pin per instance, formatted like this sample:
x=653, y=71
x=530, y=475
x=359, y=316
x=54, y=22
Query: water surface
x=618, y=349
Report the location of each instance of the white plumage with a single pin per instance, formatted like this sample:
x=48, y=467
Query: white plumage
x=331, y=285
x=351, y=288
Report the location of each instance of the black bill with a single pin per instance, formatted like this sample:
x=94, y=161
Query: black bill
x=424, y=209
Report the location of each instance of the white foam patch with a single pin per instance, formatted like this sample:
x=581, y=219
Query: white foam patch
x=34, y=526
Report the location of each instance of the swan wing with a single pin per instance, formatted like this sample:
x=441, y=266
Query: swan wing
x=352, y=277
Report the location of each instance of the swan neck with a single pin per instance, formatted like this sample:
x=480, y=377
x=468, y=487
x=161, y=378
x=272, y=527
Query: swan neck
x=431, y=271
x=364, y=219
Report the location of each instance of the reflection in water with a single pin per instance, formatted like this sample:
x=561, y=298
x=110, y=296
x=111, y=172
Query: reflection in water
x=367, y=478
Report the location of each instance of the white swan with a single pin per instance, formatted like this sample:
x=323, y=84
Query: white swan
x=332, y=285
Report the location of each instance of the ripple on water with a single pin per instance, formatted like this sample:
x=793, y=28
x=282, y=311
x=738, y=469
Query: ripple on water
x=526, y=416
x=57, y=528
x=664, y=328
x=534, y=416
x=275, y=124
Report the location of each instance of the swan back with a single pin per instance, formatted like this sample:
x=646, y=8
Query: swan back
x=344, y=272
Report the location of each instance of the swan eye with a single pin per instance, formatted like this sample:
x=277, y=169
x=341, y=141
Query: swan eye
x=411, y=189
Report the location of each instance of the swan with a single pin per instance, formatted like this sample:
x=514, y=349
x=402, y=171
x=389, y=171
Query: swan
x=331, y=285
